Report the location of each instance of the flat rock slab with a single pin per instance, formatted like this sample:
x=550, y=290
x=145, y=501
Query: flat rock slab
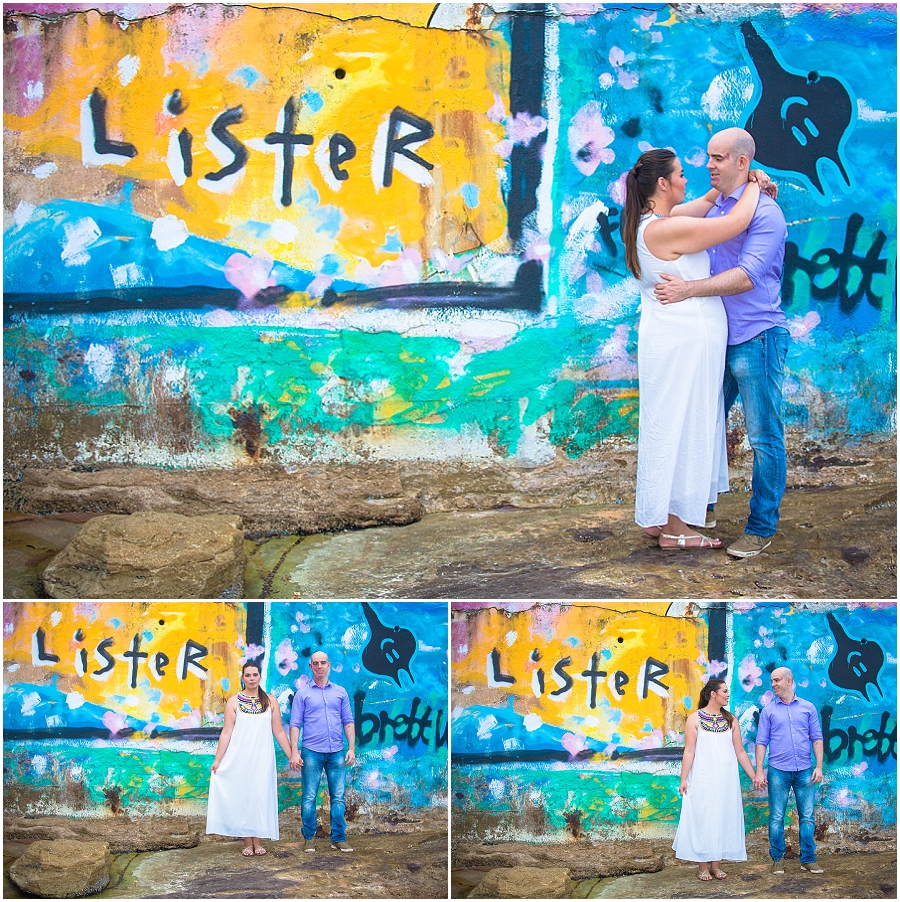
x=122, y=834
x=150, y=555
x=395, y=866
x=580, y=859
x=524, y=883
x=853, y=876
x=832, y=542
x=268, y=499
x=62, y=868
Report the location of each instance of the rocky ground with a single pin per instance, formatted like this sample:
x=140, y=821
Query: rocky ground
x=565, y=530
x=860, y=867
x=406, y=860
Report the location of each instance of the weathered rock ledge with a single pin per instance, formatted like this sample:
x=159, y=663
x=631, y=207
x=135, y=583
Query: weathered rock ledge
x=268, y=499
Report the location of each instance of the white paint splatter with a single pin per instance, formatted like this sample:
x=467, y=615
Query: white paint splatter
x=100, y=360
x=74, y=700
x=168, y=232
x=468, y=690
x=355, y=637
x=44, y=171
x=485, y=725
x=865, y=113
x=23, y=213
x=39, y=764
x=497, y=789
x=728, y=94
x=55, y=617
x=128, y=67
x=532, y=722
x=29, y=703
x=80, y=236
x=283, y=232
x=511, y=637
x=129, y=275
x=34, y=90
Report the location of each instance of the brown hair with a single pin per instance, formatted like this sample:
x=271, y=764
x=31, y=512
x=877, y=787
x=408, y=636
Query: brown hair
x=640, y=184
x=714, y=685
x=263, y=695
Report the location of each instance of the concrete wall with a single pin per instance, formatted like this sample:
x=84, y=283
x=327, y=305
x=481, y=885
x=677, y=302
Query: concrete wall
x=116, y=707
x=568, y=719
x=236, y=233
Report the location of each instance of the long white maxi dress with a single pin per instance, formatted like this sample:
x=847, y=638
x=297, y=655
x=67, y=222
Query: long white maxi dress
x=243, y=793
x=711, y=827
x=682, y=460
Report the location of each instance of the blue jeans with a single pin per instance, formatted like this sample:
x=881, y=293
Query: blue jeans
x=333, y=765
x=781, y=782
x=755, y=371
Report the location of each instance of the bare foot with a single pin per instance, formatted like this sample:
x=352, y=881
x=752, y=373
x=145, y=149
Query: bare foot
x=652, y=532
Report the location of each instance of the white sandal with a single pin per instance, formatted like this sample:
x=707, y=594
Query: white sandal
x=681, y=542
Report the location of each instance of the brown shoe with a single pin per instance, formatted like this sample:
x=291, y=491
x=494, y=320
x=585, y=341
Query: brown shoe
x=748, y=545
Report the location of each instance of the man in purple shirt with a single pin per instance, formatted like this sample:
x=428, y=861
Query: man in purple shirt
x=746, y=273
x=322, y=710
x=787, y=725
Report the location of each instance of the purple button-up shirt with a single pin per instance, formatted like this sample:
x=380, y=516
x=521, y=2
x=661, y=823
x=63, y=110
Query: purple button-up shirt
x=788, y=731
x=321, y=712
x=759, y=251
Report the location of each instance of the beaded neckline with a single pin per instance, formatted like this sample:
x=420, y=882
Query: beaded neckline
x=249, y=705
x=713, y=723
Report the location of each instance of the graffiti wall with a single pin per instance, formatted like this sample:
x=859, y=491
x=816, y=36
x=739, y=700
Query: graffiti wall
x=235, y=233
x=568, y=719
x=116, y=707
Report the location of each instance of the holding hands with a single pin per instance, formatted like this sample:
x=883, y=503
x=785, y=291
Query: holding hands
x=760, y=781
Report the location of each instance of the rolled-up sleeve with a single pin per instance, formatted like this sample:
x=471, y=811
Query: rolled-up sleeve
x=346, y=713
x=762, y=731
x=763, y=243
x=815, y=728
x=297, y=709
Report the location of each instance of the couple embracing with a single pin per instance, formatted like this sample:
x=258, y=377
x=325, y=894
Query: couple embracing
x=711, y=328
x=711, y=827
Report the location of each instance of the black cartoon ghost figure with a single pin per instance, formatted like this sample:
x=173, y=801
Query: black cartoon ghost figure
x=800, y=118
x=389, y=650
x=856, y=663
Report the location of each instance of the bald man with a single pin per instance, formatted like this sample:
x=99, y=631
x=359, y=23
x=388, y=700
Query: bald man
x=746, y=273
x=787, y=726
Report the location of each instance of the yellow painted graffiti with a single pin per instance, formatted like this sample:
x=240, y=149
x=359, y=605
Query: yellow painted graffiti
x=152, y=661
x=355, y=139
x=595, y=671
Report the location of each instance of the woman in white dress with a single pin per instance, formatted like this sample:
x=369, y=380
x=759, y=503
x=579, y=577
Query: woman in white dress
x=682, y=461
x=243, y=788
x=711, y=826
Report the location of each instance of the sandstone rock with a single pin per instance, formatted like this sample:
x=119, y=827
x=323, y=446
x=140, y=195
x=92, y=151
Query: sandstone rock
x=150, y=555
x=270, y=500
x=524, y=883
x=62, y=868
x=121, y=834
x=581, y=859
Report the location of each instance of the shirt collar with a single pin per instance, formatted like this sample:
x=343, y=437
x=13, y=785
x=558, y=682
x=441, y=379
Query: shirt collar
x=791, y=702
x=735, y=195
x=314, y=683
